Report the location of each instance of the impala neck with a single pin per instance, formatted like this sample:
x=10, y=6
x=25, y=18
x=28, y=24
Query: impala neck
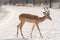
x=41, y=19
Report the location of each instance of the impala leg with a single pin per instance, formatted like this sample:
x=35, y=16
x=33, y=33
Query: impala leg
x=39, y=30
x=17, y=29
x=32, y=31
x=21, y=25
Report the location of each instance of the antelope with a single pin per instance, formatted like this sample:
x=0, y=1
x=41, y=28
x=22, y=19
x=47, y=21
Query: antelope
x=32, y=19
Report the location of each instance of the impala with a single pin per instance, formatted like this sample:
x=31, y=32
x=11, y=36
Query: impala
x=32, y=19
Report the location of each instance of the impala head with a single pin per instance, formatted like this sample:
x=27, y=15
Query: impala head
x=47, y=13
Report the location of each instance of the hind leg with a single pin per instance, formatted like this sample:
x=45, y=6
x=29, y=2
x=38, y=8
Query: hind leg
x=21, y=25
x=17, y=29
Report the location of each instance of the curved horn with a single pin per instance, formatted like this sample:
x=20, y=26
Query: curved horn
x=47, y=10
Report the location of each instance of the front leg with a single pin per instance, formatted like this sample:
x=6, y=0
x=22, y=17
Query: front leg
x=39, y=30
x=32, y=31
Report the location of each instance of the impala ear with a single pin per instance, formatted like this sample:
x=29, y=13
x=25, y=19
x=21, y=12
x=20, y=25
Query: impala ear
x=44, y=13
